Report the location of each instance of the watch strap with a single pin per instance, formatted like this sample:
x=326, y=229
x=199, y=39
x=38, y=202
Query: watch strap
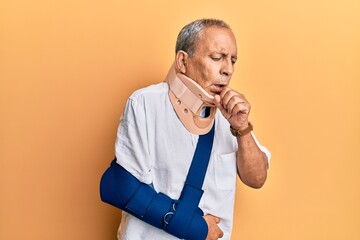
x=240, y=133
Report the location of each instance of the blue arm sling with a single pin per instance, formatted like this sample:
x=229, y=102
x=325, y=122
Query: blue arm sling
x=181, y=218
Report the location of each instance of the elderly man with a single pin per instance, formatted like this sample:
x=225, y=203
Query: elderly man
x=161, y=129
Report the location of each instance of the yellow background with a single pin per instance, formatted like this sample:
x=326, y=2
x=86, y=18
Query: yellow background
x=67, y=68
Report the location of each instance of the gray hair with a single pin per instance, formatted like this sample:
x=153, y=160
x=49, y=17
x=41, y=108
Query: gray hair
x=188, y=36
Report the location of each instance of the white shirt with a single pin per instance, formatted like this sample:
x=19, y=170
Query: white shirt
x=154, y=146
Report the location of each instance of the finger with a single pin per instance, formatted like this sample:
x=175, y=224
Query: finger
x=221, y=234
x=241, y=107
x=217, y=100
x=224, y=112
x=220, y=106
x=224, y=91
x=229, y=98
x=215, y=218
x=225, y=96
x=237, y=104
x=233, y=103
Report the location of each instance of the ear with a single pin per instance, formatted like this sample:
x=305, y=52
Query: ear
x=180, y=61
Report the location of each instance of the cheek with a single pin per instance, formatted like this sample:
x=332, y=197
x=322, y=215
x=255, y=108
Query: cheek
x=198, y=73
x=204, y=75
x=208, y=75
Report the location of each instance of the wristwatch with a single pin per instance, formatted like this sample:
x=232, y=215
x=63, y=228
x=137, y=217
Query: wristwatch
x=240, y=133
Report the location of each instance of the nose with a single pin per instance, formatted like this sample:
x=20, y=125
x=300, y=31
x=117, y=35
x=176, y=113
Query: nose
x=227, y=68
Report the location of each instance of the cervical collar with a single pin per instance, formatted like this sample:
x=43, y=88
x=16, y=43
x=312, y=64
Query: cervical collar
x=189, y=99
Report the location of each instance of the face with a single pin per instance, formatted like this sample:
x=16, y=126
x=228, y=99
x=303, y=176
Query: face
x=212, y=65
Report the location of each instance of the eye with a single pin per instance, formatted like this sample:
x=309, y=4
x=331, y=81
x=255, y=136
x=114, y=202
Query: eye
x=216, y=58
x=233, y=59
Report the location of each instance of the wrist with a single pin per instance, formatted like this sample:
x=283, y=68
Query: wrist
x=239, y=132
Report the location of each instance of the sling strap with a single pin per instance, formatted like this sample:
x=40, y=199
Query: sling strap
x=181, y=218
x=192, y=190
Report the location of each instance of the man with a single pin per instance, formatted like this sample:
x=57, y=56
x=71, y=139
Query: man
x=157, y=135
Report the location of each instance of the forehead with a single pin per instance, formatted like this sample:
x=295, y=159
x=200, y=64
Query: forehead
x=216, y=39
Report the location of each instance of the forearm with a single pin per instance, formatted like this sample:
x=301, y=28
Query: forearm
x=180, y=218
x=251, y=162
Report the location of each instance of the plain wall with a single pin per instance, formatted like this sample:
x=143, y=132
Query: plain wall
x=67, y=68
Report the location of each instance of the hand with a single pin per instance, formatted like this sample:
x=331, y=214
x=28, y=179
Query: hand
x=234, y=107
x=214, y=231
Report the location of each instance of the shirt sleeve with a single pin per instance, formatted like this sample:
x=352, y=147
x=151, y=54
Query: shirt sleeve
x=131, y=146
x=263, y=149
